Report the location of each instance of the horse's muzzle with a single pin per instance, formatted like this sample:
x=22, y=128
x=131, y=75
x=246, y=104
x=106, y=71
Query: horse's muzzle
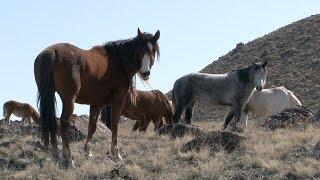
x=259, y=88
x=145, y=75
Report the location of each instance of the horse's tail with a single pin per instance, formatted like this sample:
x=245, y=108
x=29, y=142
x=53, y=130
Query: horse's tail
x=46, y=97
x=173, y=102
x=294, y=101
x=177, y=108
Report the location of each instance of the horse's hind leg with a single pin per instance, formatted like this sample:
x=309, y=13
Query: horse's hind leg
x=7, y=117
x=94, y=113
x=188, y=115
x=177, y=113
x=67, y=110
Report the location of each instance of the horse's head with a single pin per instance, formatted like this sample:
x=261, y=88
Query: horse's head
x=258, y=73
x=145, y=52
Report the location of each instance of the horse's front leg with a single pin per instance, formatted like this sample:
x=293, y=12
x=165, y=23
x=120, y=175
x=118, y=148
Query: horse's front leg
x=228, y=118
x=237, y=116
x=94, y=114
x=117, y=106
x=244, y=117
x=136, y=126
x=144, y=125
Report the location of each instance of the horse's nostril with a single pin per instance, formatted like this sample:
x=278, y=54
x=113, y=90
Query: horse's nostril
x=259, y=88
x=146, y=73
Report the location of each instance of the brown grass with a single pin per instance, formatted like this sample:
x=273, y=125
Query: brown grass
x=148, y=156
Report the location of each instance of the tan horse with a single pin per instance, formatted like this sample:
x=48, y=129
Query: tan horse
x=151, y=106
x=99, y=76
x=269, y=102
x=23, y=110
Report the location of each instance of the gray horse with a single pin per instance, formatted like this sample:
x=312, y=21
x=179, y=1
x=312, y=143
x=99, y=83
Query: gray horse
x=230, y=89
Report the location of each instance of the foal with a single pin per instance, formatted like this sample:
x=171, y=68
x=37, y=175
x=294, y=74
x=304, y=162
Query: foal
x=150, y=106
x=23, y=110
x=231, y=89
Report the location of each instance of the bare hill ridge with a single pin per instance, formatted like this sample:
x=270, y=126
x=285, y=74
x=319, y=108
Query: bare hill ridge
x=293, y=52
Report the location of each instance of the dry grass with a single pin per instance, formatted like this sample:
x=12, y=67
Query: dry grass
x=148, y=156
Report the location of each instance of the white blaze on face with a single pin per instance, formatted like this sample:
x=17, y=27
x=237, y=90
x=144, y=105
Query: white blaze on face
x=150, y=46
x=145, y=66
x=260, y=78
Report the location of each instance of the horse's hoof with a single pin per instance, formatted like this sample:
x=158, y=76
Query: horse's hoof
x=116, y=157
x=89, y=154
x=87, y=151
x=68, y=163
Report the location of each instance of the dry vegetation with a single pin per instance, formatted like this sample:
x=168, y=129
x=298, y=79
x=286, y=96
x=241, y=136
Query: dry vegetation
x=272, y=154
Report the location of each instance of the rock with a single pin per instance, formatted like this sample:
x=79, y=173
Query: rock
x=18, y=165
x=296, y=152
x=6, y=144
x=292, y=176
x=316, y=150
x=77, y=129
x=317, y=116
x=3, y=163
x=298, y=117
x=180, y=130
x=215, y=141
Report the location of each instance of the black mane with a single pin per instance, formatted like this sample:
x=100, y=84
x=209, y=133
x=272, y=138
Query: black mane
x=122, y=47
x=125, y=48
x=243, y=74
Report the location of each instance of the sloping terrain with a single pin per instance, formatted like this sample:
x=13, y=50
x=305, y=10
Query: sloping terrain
x=293, y=53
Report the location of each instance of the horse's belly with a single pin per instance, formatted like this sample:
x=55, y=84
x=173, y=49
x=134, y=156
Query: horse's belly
x=95, y=97
x=271, y=106
x=19, y=113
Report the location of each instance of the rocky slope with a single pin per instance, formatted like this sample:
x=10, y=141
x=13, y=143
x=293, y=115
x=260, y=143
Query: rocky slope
x=293, y=52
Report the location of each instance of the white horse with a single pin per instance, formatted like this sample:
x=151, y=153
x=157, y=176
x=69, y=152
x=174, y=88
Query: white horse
x=269, y=102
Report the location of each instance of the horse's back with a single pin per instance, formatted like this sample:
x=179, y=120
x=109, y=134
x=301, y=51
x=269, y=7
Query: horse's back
x=163, y=99
x=19, y=109
x=209, y=89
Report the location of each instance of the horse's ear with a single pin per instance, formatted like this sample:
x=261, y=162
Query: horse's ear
x=264, y=64
x=156, y=36
x=140, y=34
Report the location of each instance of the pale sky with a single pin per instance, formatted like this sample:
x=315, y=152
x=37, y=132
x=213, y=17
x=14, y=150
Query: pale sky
x=193, y=33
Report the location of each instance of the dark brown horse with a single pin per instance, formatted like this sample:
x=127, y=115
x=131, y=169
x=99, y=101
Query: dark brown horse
x=150, y=106
x=98, y=76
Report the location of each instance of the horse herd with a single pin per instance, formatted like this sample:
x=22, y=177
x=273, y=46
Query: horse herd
x=104, y=76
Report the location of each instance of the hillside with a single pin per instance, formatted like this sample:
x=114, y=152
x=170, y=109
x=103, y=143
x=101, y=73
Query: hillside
x=281, y=154
x=293, y=52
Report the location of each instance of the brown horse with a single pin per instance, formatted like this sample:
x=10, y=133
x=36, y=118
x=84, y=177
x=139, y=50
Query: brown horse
x=23, y=110
x=150, y=106
x=99, y=76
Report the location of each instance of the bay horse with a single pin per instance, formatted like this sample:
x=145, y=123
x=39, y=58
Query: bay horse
x=230, y=89
x=150, y=106
x=269, y=102
x=23, y=110
x=99, y=76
